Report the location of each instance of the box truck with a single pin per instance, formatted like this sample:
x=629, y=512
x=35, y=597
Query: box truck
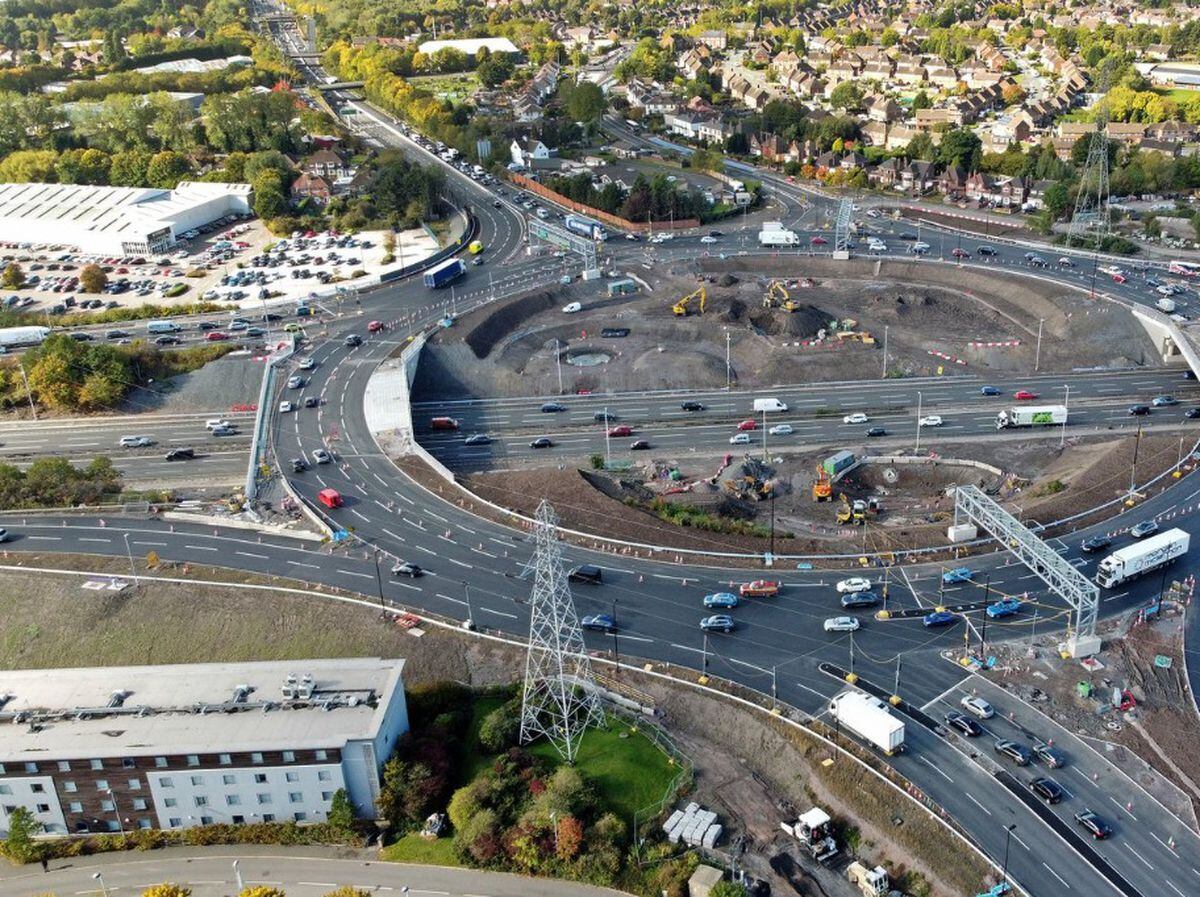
x=1135, y=560
x=868, y=718
x=1031, y=416
x=773, y=233
x=448, y=271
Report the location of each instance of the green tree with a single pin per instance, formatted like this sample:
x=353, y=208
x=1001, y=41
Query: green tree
x=1056, y=200
x=921, y=101
x=501, y=728
x=269, y=198
x=847, y=95
x=586, y=102
x=129, y=168
x=22, y=826
x=167, y=168
x=494, y=70
x=29, y=166
x=92, y=279
x=725, y=888
x=961, y=147
x=341, y=813
x=13, y=277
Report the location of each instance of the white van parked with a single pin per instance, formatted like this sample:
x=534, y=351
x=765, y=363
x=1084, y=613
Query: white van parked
x=761, y=405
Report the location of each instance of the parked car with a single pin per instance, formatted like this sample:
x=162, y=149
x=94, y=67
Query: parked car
x=842, y=624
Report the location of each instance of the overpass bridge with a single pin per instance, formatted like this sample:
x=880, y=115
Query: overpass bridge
x=339, y=85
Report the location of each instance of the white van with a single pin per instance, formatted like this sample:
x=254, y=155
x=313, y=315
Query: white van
x=761, y=405
x=162, y=327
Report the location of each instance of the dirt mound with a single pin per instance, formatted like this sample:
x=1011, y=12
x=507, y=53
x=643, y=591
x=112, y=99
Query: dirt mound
x=901, y=304
x=735, y=312
x=695, y=367
x=802, y=323
x=726, y=280
x=483, y=337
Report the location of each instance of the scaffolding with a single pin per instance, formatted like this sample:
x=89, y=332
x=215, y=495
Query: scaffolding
x=1053, y=569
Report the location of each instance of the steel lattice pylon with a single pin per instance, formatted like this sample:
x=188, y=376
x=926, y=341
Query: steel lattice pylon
x=559, y=700
x=1091, y=201
x=841, y=234
x=1059, y=574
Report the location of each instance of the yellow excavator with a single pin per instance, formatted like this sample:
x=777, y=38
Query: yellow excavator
x=683, y=307
x=853, y=514
x=778, y=297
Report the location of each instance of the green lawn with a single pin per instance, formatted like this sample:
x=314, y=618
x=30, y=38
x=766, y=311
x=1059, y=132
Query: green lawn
x=455, y=88
x=1179, y=94
x=412, y=848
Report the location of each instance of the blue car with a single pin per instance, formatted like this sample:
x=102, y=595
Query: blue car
x=939, y=618
x=1004, y=608
x=989, y=391
x=959, y=574
x=721, y=599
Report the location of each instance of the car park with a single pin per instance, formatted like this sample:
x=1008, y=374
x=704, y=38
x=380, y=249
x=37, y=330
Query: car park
x=1095, y=826
x=1049, y=754
x=599, y=623
x=859, y=599
x=405, y=568
x=1014, y=751
x=718, y=623
x=842, y=624
x=977, y=707
x=857, y=418
x=1144, y=529
x=1095, y=543
x=853, y=584
x=957, y=575
x=939, y=618
x=721, y=599
x=963, y=723
x=1047, y=789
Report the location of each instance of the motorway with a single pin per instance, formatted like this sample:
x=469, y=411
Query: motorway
x=475, y=566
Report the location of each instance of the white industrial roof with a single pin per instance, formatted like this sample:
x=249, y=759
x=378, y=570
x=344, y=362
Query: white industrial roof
x=190, y=708
x=194, y=66
x=470, y=45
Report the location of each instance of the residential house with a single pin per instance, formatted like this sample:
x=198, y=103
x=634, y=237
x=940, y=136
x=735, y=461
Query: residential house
x=881, y=108
x=910, y=72
x=327, y=164
x=886, y=174
x=874, y=133
x=952, y=182
x=942, y=77
x=918, y=177
x=651, y=100
x=928, y=119
x=1016, y=127
x=900, y=135
x=529, y=151
x=714, y=40
x=309, y=186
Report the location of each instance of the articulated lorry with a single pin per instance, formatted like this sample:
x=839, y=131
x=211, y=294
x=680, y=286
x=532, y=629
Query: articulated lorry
x=773, y=233
x=1031, y=416
x=1141, y=558
x=870, y=719
x=445, y=273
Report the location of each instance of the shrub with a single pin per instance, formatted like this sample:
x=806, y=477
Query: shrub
x=177, y=289
x=167, y=889
x=92, y=279
x=501, y=728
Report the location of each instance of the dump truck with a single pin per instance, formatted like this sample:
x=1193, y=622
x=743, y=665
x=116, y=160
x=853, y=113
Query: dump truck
x=869, y=882
x=812, y=830
x=1031, y=416
x=773, y=233
x=1141, y=558
x=868, y=718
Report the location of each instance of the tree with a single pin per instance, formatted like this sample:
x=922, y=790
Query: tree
x=92, y=279
x=569, y=837
x=961, y=147
x=501, y=728
x=129, y=168
x=261, y=891
x=269, y=198
x=167, y=889
x=727, y=889
x=586, y=102
x=29, y=166
x=494, y=70
x=167, y=169
x=1056, y=199
x=921, y=101
x=22, y=826
x=847, y=96
x=13, y=277
x=341, y=813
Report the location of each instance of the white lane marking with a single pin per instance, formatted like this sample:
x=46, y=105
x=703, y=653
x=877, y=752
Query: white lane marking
x=499, y=613
x=977, y=803
x=353, y=573
x=200, y=548
x=1123, y=809
x=89, y=539
x=1056, y=875
x=302, y=564
x=1138, y=854
x=251, y=554
x=938, y=771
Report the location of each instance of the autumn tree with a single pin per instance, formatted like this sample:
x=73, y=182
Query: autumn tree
x=167, y=889
x=92, y=279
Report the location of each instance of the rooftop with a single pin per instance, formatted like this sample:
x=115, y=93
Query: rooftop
x=470, y=45
x=90, y=712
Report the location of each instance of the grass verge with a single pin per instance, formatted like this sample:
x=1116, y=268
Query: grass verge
x=412, y=848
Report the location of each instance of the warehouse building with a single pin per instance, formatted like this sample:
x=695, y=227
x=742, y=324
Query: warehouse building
x=114, y=220
x=122, y=748
x=471, y=45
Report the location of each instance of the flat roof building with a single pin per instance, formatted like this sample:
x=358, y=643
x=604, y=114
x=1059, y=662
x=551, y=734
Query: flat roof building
x=114, y=220
x=471, y=45
x=115, y=748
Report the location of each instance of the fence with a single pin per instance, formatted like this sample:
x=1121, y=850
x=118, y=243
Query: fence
x=612, y=220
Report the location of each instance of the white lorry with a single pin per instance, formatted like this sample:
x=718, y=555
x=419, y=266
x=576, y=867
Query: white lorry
x=1141, y=558
x=1031, y=416
x=868, y=718
x=773, y=233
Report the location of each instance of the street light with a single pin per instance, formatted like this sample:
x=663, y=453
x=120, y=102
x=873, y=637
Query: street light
x=1062, y=436
x=129, y=552
x=237, y=874
x=1037, y=356
x=918, y=446
x=1008, y=830
x=100, y=878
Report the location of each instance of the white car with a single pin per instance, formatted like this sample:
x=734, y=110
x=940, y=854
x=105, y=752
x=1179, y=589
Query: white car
x=135, y=441
x=781, y=430
x=842, y=624
x=708, y=238
x=856, y=418
x=572, y=307
x=1165, y=290
x=295, y=382
x=739, y=439
x=217, y=423
x=931, y=420
x=977, y=707
x=307, y=364
x=854, y=584
x=285, y=407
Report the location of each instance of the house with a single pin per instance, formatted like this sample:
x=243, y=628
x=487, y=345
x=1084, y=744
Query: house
x=310, y=186
x=714, y=40
x=649, y=99
x=918, y=177
x=952, y=181
x=882, y=109
x=1016, y=127
x=942, y=77
x=526, y=153
x=874, y=133
x=886, y=174
x=327, y=164
x=692, y=62
x=900, y=136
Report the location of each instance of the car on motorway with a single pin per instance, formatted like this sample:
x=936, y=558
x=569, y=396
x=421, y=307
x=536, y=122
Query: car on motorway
x=478, y=439
x=920, y=248
x=853, y=584
x=959, y=253
x=1139, y=410
x=223, y=431
x=718, y=623
x=985, y=251
x=938, y=618
x=1014, y=751
x=135, y=441
x=955, y=719
x=1025, y=395
x=299, y=465
x=322, y=456
x=3, y=534
x=599, y=623
x=405, y=568
x=296, y=382
x=1095, y=543
x=859, y=599
x=1095, y=826
x=167, y=341
x=876, y=431
x=117, y=334
x=759, y=588
x=1005, y=607
x=781, y=430
x=216, y=336
x=857, y=418
x=1164, y=401
x=639, y=445
x=307, y=364
x=817, y=241
x=748, y=424
x=621, y=430
x=740, y=439
x=1064, y=262
x=284, y=408
x=1192, y=413
x=542, y=442
x=215, y=422
x=181, y=454
x=906, y=235
x=957, y=575
x=352, y=340
x=721, y=599
x=842, y=624
x=990, y=391
x=1049, y=754
x=707, y=238
x=977, y=706
x=931, y=420
x=312, y=401
x=604, y=417
x=553, y=407
x=1144, y=529
x=1047, y=789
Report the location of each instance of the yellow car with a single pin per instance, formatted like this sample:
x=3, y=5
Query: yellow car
x=475, y=248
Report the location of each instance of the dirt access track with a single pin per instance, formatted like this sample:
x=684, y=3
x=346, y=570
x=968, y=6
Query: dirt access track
x=514, y=348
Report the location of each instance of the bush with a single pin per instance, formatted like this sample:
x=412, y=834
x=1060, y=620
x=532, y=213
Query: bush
x=501, y=728
x=92, y=279
x=174, y=290
x=426, y=702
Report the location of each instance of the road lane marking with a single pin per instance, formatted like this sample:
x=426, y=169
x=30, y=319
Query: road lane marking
x=200, y=548
x=499, y=613
x=302, y=564
x=938, y=771
x=977, y=803
x=1138, y=854
x=1056, y=875
x=251, y=554
x=1122, y=806
x=354, y=573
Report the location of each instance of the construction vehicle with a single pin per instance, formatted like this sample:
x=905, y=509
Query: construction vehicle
x=853, y=514
x=812, y=830
x=778, y=297
x=822, y=489
x=870, y=882
x=683, y=307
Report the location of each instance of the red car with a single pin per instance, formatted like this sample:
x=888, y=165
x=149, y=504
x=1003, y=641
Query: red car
x=818, y=241
x=1118, y=278
x=215, y=336
x=622, y=430
x=960, y=253
x=760, y=588
x=748, y=425
x=374, y=326
x=1024, y=395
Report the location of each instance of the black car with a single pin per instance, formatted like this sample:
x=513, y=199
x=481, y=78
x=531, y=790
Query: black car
x=614, y=332
x=1095, y=543
x=599, y=623
x=859, y=599
x=553, y=407
x=352, y=340
x=588, y=573
x=81, y=337
x=312, y=401
x=404, y=568
x=1139, y=410
x=1047, y=789
x=691, y=406
x=299, y=465
x=167, y=341
x=117, y=334
x=876, y=431
x=1017, y=753
x=1096, y=826
x=715, y=233
x=207, y=325
x=602, y=417
x=1192, y=413
x=907, y=235
x=985, y=251
x=542, y=442
x=1049, y=754
x=181, y=454
x=963, y=723
x=478, y=439
x=640, y=445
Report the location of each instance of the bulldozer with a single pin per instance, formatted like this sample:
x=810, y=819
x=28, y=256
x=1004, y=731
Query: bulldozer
x=852, y=514
x=822, y=489
x=870, y=882
x=778, y=297
x=683, y=307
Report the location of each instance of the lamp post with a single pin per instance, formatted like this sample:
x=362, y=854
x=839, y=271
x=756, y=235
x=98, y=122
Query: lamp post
x=1037, y=355
x=237, y=875
x=100, y=878
x=1062, y=436
x=883, y=374
x=607, y=446
x=1008, y=830
x=616, y=647
x=728, y=366
x=129, y=553
x=918, y=445
x=558, y=364
x=379, y=583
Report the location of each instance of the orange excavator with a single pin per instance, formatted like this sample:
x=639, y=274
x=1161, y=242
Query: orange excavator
x=822, y=489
